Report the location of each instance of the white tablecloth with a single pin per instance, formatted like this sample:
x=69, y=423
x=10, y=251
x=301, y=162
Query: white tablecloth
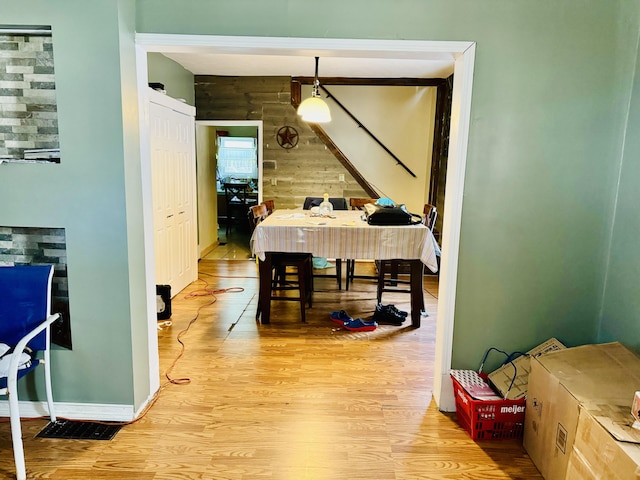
x=345, y=236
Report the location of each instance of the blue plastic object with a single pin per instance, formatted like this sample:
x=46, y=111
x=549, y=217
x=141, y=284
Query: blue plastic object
x=385, y=202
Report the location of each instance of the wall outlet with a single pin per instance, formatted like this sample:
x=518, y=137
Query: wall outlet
x=341, y=177
x=274, y=181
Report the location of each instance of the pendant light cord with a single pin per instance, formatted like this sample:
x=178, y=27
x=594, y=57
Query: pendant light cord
x=316, y=82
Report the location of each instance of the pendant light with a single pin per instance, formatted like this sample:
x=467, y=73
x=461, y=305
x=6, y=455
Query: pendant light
x=314, y=109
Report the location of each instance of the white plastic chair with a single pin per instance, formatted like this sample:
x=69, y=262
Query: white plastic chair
x=25, y=321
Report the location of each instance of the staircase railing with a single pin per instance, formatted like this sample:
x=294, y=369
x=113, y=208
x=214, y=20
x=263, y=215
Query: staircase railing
x=367, y=131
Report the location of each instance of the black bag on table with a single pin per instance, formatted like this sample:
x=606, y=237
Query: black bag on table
x=390, y=215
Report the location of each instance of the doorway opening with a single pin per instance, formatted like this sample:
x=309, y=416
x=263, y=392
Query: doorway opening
x=460, y=53
x=211, y=208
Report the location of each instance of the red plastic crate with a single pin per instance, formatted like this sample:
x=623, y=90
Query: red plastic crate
x=489, y=419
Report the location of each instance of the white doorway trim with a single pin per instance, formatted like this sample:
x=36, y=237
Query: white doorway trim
x=148, y=227
x=242, y=123
x=456, y=167
x=461, y=54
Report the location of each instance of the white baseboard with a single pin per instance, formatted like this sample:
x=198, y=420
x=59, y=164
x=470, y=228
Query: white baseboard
x=74, y=411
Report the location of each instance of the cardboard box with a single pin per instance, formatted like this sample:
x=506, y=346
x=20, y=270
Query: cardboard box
x=502, y=377
x=597, y=454
x=563, y=382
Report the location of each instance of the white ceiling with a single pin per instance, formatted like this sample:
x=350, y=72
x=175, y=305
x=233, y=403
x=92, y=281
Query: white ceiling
x=203, y=61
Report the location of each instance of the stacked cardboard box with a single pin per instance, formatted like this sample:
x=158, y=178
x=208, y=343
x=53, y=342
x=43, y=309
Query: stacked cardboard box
x=578, y=412
x=512, y=379
x=597, y=454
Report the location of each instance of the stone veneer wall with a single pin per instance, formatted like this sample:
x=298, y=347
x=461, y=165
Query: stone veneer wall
x=42, y=246
x=28, y=111
x=309, y=169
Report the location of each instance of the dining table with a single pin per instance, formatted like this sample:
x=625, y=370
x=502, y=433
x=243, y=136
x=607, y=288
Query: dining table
x=343, y=234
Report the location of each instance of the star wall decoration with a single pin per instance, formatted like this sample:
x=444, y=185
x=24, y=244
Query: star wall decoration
x=287, y=137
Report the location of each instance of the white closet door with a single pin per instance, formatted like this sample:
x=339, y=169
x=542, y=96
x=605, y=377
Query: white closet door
x=185, y=195
x=174, y=191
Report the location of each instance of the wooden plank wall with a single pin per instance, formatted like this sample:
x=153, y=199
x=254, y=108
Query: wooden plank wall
x=290, y=175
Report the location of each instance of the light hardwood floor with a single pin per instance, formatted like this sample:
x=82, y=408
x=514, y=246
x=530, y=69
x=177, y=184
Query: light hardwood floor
x=285, y=401
x=235, y=246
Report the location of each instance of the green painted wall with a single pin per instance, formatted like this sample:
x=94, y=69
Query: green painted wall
x=621, y=308
x=552, y=86
x=94, y=194
x=177, y=81
x=551, y=89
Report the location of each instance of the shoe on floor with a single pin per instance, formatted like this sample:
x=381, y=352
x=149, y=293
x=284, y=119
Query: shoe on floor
x=340, y=317
x=359, y=325
x=393, y=309
x=387, y=316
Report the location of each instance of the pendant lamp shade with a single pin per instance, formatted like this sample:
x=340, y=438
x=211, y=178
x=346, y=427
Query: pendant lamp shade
x=314, y=109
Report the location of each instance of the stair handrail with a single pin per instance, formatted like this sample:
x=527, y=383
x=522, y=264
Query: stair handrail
x=367, y=131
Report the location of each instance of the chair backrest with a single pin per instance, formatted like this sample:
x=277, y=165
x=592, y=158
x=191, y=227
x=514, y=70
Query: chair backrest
x=338, y=203
x=271, y=206
x=25, y=302
x=358, y=203
x=257, y=213
x=236, y=192
x=430, y=215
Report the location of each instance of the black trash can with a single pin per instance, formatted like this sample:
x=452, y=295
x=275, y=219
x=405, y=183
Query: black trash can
x=163, y=301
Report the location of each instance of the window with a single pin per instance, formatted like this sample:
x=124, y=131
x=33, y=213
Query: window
x=237, y=158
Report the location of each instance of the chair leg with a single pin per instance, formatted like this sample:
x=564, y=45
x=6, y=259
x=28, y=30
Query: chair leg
x=351, y=271
x=346, y=277
x=339, y=272
x=394, y=271
x=263, y=311
x=309, y=279
x=281, y=275
x=380, y=281
x=302, y=289
x=16, y=432
x=47, y=384
x=258, y=308
x=417, y=296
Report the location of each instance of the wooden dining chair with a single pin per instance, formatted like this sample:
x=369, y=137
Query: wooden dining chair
x=256, y=214
x=338, y=204
x=276, y=285
x=238, y=202
x=289, y=271
x=271, y=206
x=357, y=204
x=430, y=215
x=392, y=274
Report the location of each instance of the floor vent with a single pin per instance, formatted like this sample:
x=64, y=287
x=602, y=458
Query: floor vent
x=79, y=430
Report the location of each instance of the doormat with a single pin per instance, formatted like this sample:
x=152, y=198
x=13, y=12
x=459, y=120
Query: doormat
x=79, y=430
